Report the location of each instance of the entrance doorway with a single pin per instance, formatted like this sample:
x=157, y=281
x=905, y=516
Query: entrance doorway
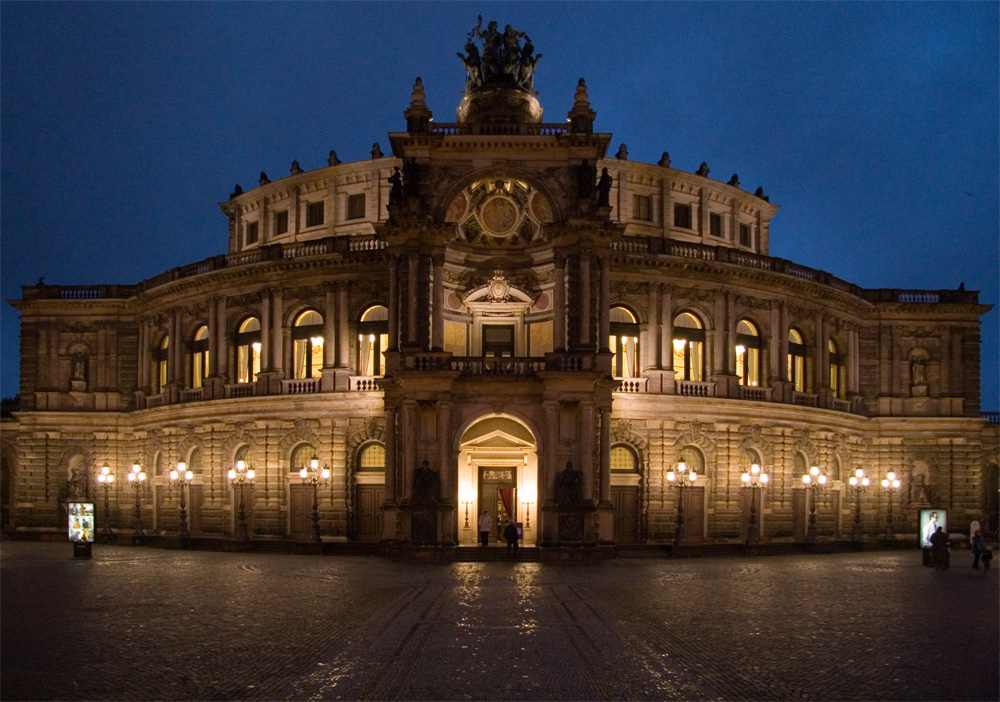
x=498, y=494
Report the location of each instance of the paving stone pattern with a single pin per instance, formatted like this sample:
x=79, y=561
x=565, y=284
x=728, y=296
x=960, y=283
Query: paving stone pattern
x=137, y=623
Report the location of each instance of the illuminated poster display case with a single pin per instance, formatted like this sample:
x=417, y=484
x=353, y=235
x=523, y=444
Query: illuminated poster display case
x=81, y=522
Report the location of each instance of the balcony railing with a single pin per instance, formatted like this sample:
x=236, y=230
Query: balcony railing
x=192, y=395
x=991, y=417
x=508, y=366
x=362, y=383
x=804, y=399
x=692, y=388
x=632, y=385
x=241, y=390
x=755, y=394
x=299, y=386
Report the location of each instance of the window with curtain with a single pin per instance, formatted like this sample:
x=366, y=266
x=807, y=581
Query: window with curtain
x=307, y=345
x=373, y=338
x=748, y=347
x=248, y=350
x=796, y=360
x=688, y=347
x=836, y=370
x=624, y=343
x=199, y=357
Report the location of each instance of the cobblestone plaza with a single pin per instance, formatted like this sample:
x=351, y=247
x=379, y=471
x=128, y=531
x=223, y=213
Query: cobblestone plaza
x=135, y=623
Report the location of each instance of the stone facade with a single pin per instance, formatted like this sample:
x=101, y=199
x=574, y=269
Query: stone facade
x=487, y=301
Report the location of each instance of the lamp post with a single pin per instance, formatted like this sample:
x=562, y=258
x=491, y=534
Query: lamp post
x=137, y=477
x=858, y=483
x=754, y=480
x=681, y=478
x=105, y=478
x=181, y=477
x=814, y=481
x=240, y=477
x=529, y=499
x=890, y=483
x=312, y=474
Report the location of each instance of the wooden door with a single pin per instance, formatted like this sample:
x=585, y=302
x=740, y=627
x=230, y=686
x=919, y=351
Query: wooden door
x=498, y=494
x=368, y=512
x=800, y=513
x=196, y=497
x=694, y=514
x=625, y=499
x=300, y=511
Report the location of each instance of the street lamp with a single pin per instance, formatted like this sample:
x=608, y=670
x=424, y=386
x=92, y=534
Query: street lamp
x=105, y=478
x=137, y=477
x=814, y=481
x=181, y=477
x=240, y=478
x=890, y=483
x=682, y=478
x=858, y=483
x=312, y=474
x=754, y=480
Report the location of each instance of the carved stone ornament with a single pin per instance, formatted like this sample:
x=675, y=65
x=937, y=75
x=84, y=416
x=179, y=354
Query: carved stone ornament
x=499, y=288
x=499, y=212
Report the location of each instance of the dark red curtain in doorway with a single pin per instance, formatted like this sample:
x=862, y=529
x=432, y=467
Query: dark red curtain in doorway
x=507, y=497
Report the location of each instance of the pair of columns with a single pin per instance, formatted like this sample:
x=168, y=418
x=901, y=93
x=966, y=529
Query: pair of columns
x=586, y=262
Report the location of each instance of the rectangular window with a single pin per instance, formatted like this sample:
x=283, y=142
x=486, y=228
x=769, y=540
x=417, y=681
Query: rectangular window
x=498, y=340
x=314, y=214
x=745, y=235
x=715, y=224
x=281, y=222
x=642, y=207
x=356, y=206
x=682, y=216
x=251, y=237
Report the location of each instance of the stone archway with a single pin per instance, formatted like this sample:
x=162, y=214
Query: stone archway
x=498, y=472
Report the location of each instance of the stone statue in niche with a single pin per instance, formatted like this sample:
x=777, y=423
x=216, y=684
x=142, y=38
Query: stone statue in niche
x=395, y=187
x=918, y=371
x=78, y=372
x=604, y=189
x=426, y=485
x=569, y=486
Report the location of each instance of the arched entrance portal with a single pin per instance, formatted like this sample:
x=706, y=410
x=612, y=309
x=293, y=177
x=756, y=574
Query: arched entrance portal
x=498, y=472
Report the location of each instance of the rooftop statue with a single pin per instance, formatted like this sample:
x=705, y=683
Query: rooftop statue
x=503, y=61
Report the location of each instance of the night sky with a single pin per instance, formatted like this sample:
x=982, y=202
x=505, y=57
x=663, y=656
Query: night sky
x=874, y=126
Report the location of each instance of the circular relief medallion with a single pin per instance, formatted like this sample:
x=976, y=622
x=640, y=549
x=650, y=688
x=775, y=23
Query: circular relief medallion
x=499, y=215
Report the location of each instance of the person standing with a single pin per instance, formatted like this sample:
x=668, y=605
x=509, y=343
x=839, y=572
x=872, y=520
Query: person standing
x=977, y=550
x=939, y=549
x=485, y=524
x=510, y=533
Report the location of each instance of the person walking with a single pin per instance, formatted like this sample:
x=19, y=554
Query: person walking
x=939, y=549
x=977, y=550
x=485, y=524
x=510, y=533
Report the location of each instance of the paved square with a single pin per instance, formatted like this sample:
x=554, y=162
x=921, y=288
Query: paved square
x=139, y=623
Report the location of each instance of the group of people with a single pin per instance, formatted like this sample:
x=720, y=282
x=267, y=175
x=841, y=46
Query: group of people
x=935, y=537
x=510, y=532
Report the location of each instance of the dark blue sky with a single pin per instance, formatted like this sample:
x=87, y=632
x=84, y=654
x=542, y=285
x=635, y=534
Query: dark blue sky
x=874, y=126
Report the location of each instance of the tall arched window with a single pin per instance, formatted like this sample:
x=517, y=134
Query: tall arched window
x=248, y=350
x=373, y=338
x=307, y=339
x=689, y=347
x=199, y=357
x=372, y=457
x=796, y=360
x=244, y=453
x=158, y=465
x=623, y=460
x=624, y=343
x=748, y=347
x=301, y=457
x=800, y=465
x=835, y=469
x=836, y=370
x=694, y=459
x=160, y=366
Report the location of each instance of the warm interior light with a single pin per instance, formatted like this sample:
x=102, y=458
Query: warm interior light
x=256, y=346
x=679, y=345
x=316, y=340
x=740, y=348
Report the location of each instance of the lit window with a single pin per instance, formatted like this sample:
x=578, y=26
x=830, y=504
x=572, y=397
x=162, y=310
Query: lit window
x=694, y=460
x=356, y=206
x=301, y=457
x=624, y=343
x=314, y=214
x=281, y=222
x=199, y=357
x=307, y=342
x=642, y=207
x=248, y=351
x=622, y=460
x=748, y=347
x=836, y=370
x=688, y=347
x=373, y=338
x=160, y=366
x=682, y=216
x=372, y=458
x=715, y=224
x=796, y=360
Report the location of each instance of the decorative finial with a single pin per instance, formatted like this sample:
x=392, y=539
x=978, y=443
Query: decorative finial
x=332, y=160
x=664, y=160
x=735, y=180
x=295, y=168
x=760, y=193
x=376, y=151
x=702, y=170
x=264, y=180
x=622, y=154
x=581, y=117
x=237, y=190
x=418, y=117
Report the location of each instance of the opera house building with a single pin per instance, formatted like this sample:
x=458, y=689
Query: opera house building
x=500, y=314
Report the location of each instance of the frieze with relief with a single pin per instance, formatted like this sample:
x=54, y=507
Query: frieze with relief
x=499, y=212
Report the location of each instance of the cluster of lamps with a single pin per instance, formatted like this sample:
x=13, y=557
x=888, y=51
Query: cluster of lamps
x=241, y=476
x=311, y=474
x=754, y=480
x=681, y=478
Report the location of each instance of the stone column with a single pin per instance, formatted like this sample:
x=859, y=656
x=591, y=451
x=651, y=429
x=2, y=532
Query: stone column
x=447, y=470
x=559, y=305
x=393, y=341
x=587, y=449
x=822, y=354
x=265, y=331
x=143, y=355
x=222, y=342
x=390, y=455
x=651, y=339
x=277, y=349
x=605, y=460
x=667, y=330
x=176, y=350
x=547, y=471
x=585, y=300
x=343, y=336
x=330, y=330
x=783, y=341
x=409, y=452
x=604, y=309
x=854, y=383
x=437, y=305
x=213, y=337
x=413, y=264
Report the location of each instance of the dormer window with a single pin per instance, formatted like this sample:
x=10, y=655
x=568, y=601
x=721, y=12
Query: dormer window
x=251, y=235
x=682, y=216
x=715, y=225
x=281, y=222
x=356, y=206
x=314, y=214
